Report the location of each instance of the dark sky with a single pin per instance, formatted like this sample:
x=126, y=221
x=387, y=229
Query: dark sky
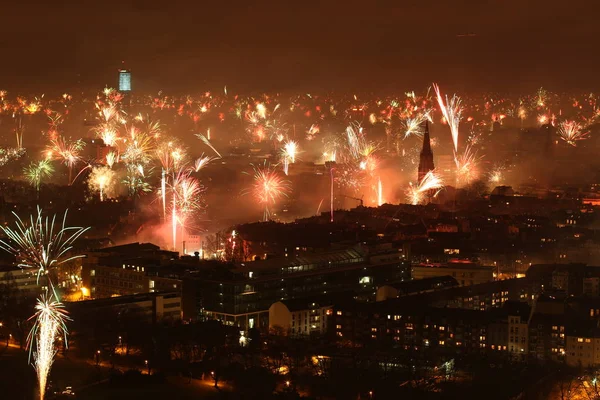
x=187, y=46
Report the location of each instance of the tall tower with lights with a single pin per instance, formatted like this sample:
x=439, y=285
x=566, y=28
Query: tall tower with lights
x=124, y=80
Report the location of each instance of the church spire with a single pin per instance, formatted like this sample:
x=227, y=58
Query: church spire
x=426, y=158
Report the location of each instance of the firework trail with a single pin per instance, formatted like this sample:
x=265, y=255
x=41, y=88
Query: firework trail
x=268, y=188
x=571, y=132
x=202, y=162
x=288, y=154
x=163, y=192
x=207, y=142
x=379, y=192
x=429, y=187
x=19, y=131
x=452, y=112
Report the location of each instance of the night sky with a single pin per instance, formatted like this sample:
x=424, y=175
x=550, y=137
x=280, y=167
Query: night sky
x=188, y=46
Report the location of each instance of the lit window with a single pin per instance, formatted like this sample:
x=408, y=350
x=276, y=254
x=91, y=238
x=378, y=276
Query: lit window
x=580, y=340
x=339, y=313
x=441, y=342
x=338, y=327
x=442, y=328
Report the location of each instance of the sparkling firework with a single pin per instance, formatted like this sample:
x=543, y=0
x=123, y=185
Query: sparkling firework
x=452, y=112
x=135, y=180
x=111, y=158
x=571, y=132
x=37, y=171
x=108, y=133
x=186, y=199
x=413, y=126
x=38, y=244
x=50, y=323
x=66, y=151
x=268, y=188
x=171, y=155
x=430, y=186
x=101, y=180
x=139, y=147
x=288, y=154
x=467, y=169
x=496, y=175
x=9, y=154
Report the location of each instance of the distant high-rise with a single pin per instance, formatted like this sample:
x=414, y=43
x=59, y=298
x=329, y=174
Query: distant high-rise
x=124, y=80
x=426, y=158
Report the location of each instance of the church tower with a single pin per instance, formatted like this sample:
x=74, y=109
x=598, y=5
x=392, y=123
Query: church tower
x=426, y=158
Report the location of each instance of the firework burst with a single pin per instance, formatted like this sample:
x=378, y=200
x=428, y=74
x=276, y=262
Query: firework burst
x=38, y=171
x=467, y=168
x=102, y=180
x=429, y=187
x=413, y=126
x=136, y=180
x=496, y=175
x=67, y=151
x=571, y=132
x=268, y=188
x=40, y=245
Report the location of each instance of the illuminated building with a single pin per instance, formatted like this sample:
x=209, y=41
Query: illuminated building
x=124, y=80
x=465, y=273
